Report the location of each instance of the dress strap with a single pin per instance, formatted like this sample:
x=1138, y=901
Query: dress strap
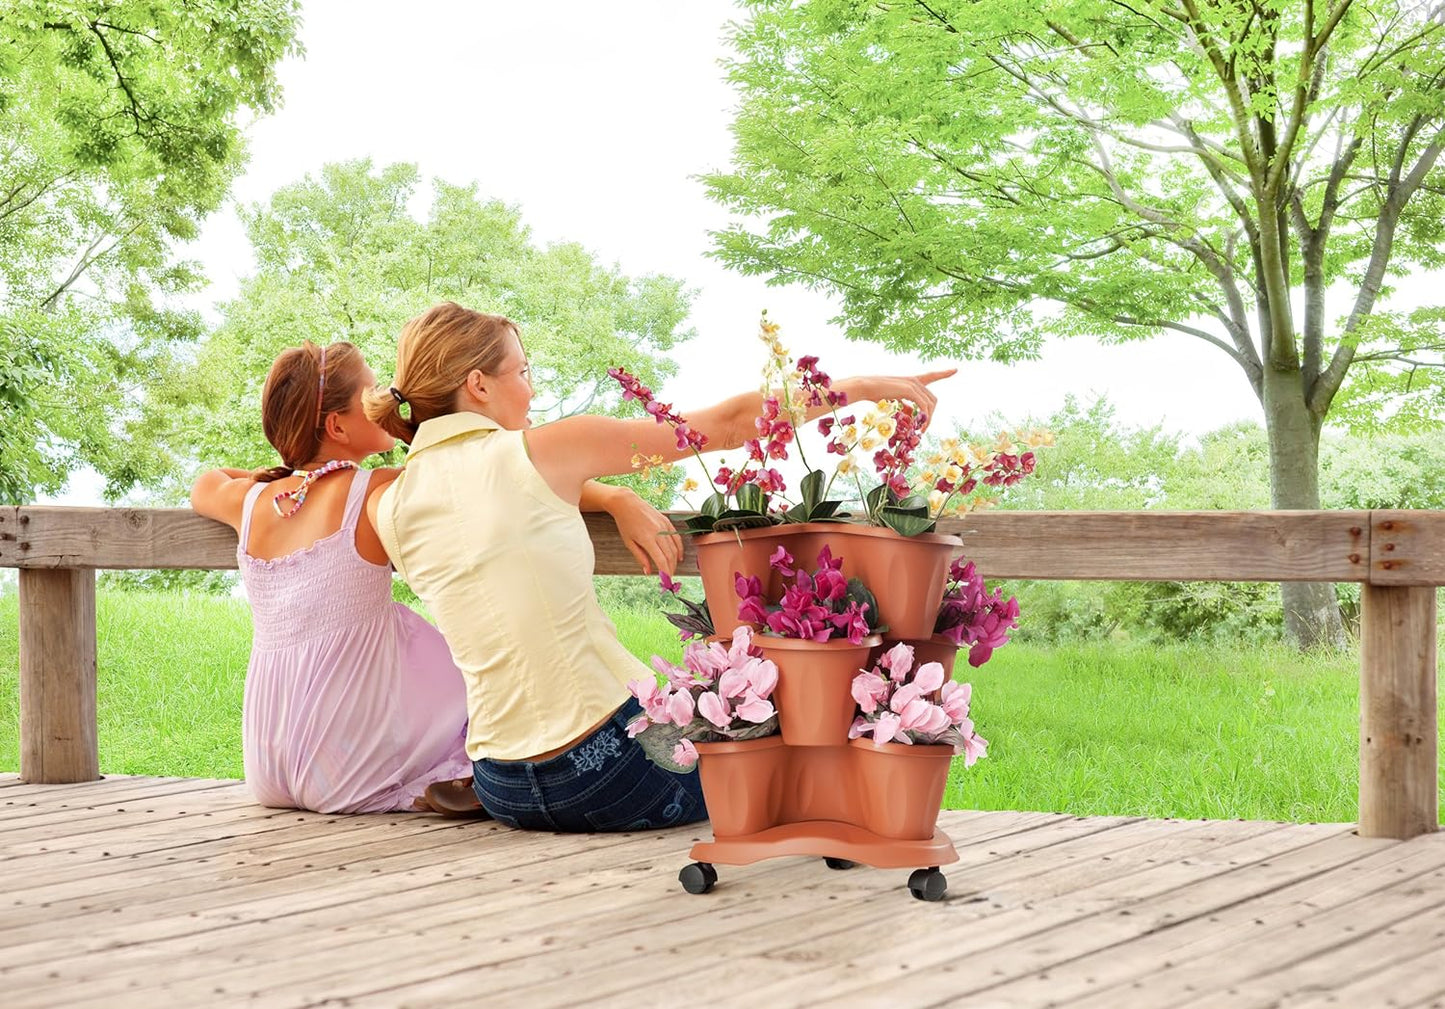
x=307, y=479
x=247, y=507
x=356, y=498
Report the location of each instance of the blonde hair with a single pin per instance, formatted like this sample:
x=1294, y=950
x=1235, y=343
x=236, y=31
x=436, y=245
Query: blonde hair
x=298, y=397
x=436, y=352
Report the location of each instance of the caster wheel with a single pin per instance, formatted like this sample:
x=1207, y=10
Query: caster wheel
x=928, y=884
x=838, y=863
x=697, y=877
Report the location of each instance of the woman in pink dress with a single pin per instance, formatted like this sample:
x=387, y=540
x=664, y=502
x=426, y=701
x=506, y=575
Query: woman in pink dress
x=352, y=701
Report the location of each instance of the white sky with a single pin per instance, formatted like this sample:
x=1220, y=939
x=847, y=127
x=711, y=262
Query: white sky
x=594, y=117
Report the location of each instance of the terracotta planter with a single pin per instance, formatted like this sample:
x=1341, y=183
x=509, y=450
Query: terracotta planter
x=743, y=783
x=814, y=694
x=907, y=574
x=745, y=551
x=901, y=787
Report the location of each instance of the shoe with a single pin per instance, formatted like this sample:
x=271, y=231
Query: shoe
x=455, y=800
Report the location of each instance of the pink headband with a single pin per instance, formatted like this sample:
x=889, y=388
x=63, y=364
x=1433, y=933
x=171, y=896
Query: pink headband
x=321, y=388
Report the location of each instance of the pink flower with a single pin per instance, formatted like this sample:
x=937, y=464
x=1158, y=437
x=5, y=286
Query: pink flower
x=679, y=707
x=860, y=727
x=733, y=683
x=714, y=709
x=668, y=585
x=929, y=677
x=782, y=562
x=886, y=728
x=755, y=709
x=898, y=660
x=870, y=691
x=762, y=677
x=974, y=746
x=905, y=695
x=955, y=700
x=652, y=698
x=684, y=753
x=742, y=644
x=637, y=725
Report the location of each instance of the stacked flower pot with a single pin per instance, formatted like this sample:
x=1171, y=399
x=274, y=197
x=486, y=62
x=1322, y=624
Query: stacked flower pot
x=811, y=790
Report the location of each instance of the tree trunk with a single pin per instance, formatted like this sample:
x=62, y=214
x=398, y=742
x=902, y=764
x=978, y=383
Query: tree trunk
x=1311, y=612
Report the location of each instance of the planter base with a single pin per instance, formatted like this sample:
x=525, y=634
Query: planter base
x=827, y=839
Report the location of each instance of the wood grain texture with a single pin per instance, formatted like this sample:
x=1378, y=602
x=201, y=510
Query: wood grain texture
x=1399, y=713
x=1117, y=546
x=1407, y=548
x=57, y=676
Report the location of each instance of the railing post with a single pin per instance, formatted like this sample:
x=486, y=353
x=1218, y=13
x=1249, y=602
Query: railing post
x=57, y=675
x=1399, y=734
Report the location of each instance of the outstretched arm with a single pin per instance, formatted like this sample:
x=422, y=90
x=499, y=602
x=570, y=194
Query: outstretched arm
x=573, y=450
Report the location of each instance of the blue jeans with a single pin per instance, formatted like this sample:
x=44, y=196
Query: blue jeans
x=604, y=783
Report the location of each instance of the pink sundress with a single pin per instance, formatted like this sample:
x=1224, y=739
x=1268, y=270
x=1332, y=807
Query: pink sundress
x=352, y=702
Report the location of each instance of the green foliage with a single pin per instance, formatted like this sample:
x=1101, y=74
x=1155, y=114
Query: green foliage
x=119, y=132
x=1100, y=464
x=340, y=257
x=1181, y=730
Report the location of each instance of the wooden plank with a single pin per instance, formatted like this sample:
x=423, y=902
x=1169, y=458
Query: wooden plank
x=1399, y=712
x=1177, y=959
x=1407, y=548
x=57, y=676
x=1034, y=925
x=1264, y=546
x=1149, y=546
x=597, y=952
x=1412, y=983
x=24, y=810
x=567, y=883
x=64, y=537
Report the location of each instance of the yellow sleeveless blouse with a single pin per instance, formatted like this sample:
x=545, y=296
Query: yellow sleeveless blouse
x=505, y=567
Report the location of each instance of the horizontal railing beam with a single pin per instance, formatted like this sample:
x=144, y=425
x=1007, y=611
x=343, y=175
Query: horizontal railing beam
x=1383, y=547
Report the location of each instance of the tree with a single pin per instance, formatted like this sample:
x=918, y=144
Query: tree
x=339, y=257
x=973, y=177
x=118, y=133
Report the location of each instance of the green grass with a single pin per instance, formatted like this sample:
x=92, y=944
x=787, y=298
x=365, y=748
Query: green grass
x=1182, y=731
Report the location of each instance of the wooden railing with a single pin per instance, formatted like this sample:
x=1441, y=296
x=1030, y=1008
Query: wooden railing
x=1398, y=556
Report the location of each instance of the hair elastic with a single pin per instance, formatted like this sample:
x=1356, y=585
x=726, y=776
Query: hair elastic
x=396, y=395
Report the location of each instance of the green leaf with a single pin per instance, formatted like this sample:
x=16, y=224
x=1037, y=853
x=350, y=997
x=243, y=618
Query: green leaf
x=751, y=499
x=715, y=505
x=812, y=490
x=905, y=523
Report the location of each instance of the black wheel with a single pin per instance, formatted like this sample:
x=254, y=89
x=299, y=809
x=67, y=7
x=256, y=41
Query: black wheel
x=928, y=884
x=838, y=863
x=697, y=877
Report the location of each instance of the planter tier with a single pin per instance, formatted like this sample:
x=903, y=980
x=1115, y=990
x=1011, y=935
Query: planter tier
x=859, y=802
x=814, y=696
x=906, y=574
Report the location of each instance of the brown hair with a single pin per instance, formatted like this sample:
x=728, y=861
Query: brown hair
x=437, y=351
x=291, y=416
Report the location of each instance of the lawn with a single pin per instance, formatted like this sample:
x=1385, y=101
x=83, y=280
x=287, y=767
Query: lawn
x=1182, y=731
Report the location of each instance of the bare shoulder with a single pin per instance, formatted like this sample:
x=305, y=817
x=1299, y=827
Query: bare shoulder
x=381, y=479
x=221, y=496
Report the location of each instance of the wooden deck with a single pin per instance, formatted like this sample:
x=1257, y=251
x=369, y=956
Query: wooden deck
x=180, y=892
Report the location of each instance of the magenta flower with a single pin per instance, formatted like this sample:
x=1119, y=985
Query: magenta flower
x=668, y=585
x=782, y=562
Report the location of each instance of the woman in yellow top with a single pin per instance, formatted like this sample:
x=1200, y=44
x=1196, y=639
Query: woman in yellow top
x=483, y=523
